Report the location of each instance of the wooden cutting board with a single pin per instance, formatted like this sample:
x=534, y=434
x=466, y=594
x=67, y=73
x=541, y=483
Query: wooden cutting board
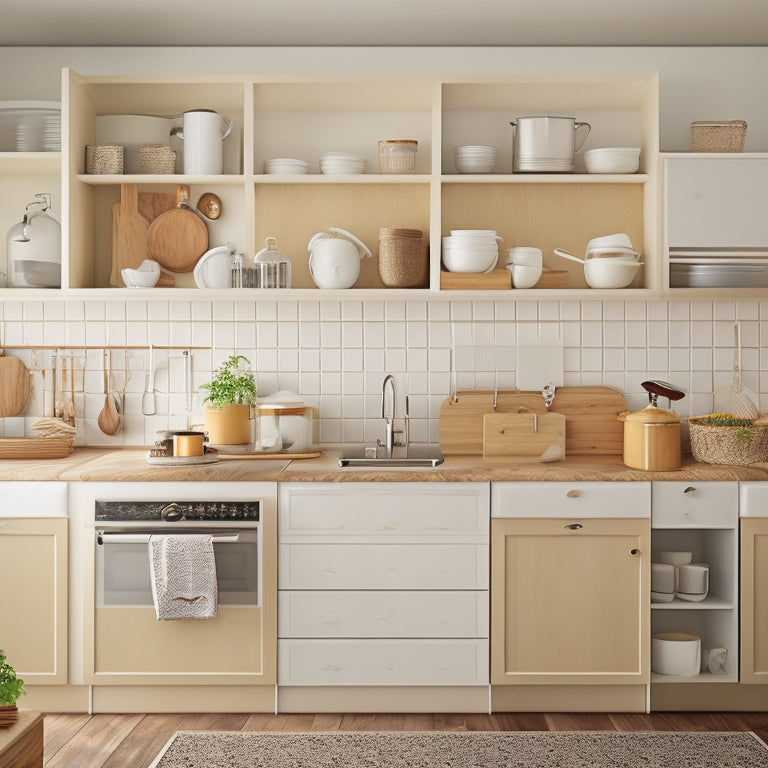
x=179, y=237
x=592, y=426
x=15, y=386
x=522, y=435
x=129, y=235
x=152, y=204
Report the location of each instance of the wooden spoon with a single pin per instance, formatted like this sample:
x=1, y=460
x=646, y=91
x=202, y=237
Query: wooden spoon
x=109, y=418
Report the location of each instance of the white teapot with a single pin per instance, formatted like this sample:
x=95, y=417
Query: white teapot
x=334, y=258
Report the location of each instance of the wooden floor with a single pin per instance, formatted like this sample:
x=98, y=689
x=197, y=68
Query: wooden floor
x=117, y=741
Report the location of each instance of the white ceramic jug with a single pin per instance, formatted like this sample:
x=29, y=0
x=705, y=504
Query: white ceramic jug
x=334, y=259
x=203, y=132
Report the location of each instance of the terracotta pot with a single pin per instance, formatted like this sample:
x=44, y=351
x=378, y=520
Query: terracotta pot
x=9, y=714
x=229, y=425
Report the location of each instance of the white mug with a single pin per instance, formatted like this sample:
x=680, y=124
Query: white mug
x=692, y=579
x=204, y=132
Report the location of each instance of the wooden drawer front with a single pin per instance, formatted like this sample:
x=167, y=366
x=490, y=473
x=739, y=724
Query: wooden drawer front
x=568, y=500
x=695, y=504
x=383, y=566
x=383, y=662
x=395, y=508
x=383, y=614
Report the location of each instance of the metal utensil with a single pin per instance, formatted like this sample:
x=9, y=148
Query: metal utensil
x=148, y=404
x=548, y=393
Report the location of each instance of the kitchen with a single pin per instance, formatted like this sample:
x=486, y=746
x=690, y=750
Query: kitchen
x=335, y=351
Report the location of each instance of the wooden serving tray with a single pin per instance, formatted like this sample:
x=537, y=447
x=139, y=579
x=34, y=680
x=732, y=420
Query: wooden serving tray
x=591, y=423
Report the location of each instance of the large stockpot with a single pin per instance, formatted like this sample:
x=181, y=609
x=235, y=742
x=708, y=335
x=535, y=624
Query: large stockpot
x=546, y=143
x=652, y=435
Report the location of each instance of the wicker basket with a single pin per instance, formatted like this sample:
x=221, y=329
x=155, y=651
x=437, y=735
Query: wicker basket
x=718, y=136
x=402, y=259
x=727, y=445
x=156, y=159
x=104, y=158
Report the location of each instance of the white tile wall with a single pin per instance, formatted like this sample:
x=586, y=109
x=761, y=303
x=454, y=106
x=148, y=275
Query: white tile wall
x=335, y=354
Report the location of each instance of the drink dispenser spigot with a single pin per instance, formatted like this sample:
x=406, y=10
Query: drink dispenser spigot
x=34, y=247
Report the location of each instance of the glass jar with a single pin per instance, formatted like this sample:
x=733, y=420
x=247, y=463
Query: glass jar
x=272, y=269
x=397, y=156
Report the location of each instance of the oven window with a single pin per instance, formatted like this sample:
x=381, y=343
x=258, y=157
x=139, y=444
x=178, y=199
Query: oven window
x=123, y=572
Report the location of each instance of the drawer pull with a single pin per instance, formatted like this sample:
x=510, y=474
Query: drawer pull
x=573, y=494
x=574, y=526
x=690, y=489
x=634, y=551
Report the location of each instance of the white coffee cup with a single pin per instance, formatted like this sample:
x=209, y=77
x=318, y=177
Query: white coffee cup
x=692, y=579
x=662, y=578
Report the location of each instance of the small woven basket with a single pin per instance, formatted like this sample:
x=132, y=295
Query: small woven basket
x=104, y=158
x=402, y=259
x=718, y=136
x=156, y=158
x=727, y=445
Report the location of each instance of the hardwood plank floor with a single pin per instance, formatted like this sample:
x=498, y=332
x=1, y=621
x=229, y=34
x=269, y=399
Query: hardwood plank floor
x=115, y=741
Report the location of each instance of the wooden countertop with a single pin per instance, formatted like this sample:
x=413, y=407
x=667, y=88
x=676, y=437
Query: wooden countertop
x=129, y=465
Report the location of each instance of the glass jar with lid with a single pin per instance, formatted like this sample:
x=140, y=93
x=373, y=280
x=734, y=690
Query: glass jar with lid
x=272, y=269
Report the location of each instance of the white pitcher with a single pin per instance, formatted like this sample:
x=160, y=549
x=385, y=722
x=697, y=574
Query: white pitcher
x=204, y=132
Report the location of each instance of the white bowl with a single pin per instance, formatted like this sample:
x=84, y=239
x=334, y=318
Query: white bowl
x=469, y=260
x=619, y=240
x=524, y=275
x=523, y=255
x=214, y=268
x=145, y=275
x=675, y=653
x=610, y=273
x=613, y=160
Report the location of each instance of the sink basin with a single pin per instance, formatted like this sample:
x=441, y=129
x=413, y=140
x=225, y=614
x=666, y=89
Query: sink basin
x=371, y=456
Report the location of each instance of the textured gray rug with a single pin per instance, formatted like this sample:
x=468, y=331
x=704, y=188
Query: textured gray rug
x=461, y=749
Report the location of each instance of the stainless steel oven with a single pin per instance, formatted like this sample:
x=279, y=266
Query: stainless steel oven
x=124, y=643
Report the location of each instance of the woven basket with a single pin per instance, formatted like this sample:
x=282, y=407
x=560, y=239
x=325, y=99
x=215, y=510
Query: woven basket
x=402, y=259
x=718, y=136
x=156, y=158
x=727, y=445
x=104, y=158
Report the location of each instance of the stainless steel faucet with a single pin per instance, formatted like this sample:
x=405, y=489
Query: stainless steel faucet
x=389, y=420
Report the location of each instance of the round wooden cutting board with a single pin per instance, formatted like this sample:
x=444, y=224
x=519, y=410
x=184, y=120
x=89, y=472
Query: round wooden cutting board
x=179, y=237
x=15, y=386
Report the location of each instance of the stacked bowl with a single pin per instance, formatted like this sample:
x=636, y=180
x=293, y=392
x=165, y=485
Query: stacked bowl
x=526, y=265
x=610, y=261
x=337, y=163
x=285, y=165
x=471, y=250
x=474, y=158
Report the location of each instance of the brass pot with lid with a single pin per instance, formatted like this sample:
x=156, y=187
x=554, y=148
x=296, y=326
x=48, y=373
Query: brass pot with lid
x=652, y=435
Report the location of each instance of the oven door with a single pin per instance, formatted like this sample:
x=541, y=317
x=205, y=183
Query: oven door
x=123, y=568
x=132, y=647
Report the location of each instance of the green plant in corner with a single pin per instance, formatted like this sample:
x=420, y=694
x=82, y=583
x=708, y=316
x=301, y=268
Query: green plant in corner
x=232, y=384
x=11, y=687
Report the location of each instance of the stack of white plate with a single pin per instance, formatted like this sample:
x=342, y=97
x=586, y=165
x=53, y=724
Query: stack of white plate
x=474, y=158
x=285, y=165
x=30, y=126
x=334, y=163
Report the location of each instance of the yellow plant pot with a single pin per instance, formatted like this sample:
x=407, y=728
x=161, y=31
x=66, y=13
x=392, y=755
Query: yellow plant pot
x=229, y=425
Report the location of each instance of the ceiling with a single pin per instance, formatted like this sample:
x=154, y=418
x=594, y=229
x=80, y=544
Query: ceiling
x=384, y=23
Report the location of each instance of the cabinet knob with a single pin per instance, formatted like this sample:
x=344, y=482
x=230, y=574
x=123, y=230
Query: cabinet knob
x=573, y=494
x=574, y=526
x=634, y=551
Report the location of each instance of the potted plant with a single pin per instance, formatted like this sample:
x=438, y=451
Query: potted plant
x=231, y=393
x=11, y=687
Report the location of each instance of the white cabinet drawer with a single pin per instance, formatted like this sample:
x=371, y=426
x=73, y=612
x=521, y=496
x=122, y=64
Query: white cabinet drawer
x=312, y=509
x=571, y=500
x=34, y=499
x=382, y=662
x=383, y=566
x=695, y=505
x=383, y=614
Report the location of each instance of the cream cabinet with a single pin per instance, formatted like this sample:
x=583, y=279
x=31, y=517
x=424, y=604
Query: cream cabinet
x=754, y=600
x=304, y=117
x=383, y=584
x=34, y=574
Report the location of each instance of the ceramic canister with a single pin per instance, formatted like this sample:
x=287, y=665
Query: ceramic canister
x=204, y=132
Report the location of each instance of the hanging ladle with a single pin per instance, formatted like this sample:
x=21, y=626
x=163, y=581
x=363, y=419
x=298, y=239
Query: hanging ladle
x=108, y=419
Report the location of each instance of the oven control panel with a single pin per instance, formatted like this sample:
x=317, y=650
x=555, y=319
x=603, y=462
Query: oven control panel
x=177, y=511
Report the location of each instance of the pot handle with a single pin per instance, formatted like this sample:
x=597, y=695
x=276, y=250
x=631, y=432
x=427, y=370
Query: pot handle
x=317, y=236
x=566, y=255
x=582, y=125
x=229, y=124
x=361, y=246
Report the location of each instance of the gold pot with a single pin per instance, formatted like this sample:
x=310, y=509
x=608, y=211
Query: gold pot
x=652, y=435
x=229, y=425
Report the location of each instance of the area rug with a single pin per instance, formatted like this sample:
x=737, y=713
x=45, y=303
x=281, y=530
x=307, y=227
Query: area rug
x=463, y=749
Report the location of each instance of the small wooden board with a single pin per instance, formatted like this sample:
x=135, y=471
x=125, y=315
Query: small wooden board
x=592, y=426
x=15, y=385
x=553, y=278
x=522, y=434
x=498, y=279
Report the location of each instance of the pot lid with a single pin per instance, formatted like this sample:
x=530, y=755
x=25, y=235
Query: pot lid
x=652, y=414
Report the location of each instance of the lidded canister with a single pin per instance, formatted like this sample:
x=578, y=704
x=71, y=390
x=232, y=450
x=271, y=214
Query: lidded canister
x=273, y=270
x=652, y=435
x=402, y=258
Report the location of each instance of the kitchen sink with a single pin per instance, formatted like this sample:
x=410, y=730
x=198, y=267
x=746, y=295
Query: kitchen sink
x=374, y=456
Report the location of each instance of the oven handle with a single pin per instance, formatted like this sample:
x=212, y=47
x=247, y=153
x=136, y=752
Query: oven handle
x=143, y=538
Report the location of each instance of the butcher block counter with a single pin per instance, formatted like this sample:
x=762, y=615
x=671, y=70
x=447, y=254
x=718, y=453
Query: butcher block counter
x=129, y=465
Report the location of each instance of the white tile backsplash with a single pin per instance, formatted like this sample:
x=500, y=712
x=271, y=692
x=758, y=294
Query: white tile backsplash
x=336, y=353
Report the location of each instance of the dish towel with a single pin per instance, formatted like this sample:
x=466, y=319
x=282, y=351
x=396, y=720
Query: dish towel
x=183, y=577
